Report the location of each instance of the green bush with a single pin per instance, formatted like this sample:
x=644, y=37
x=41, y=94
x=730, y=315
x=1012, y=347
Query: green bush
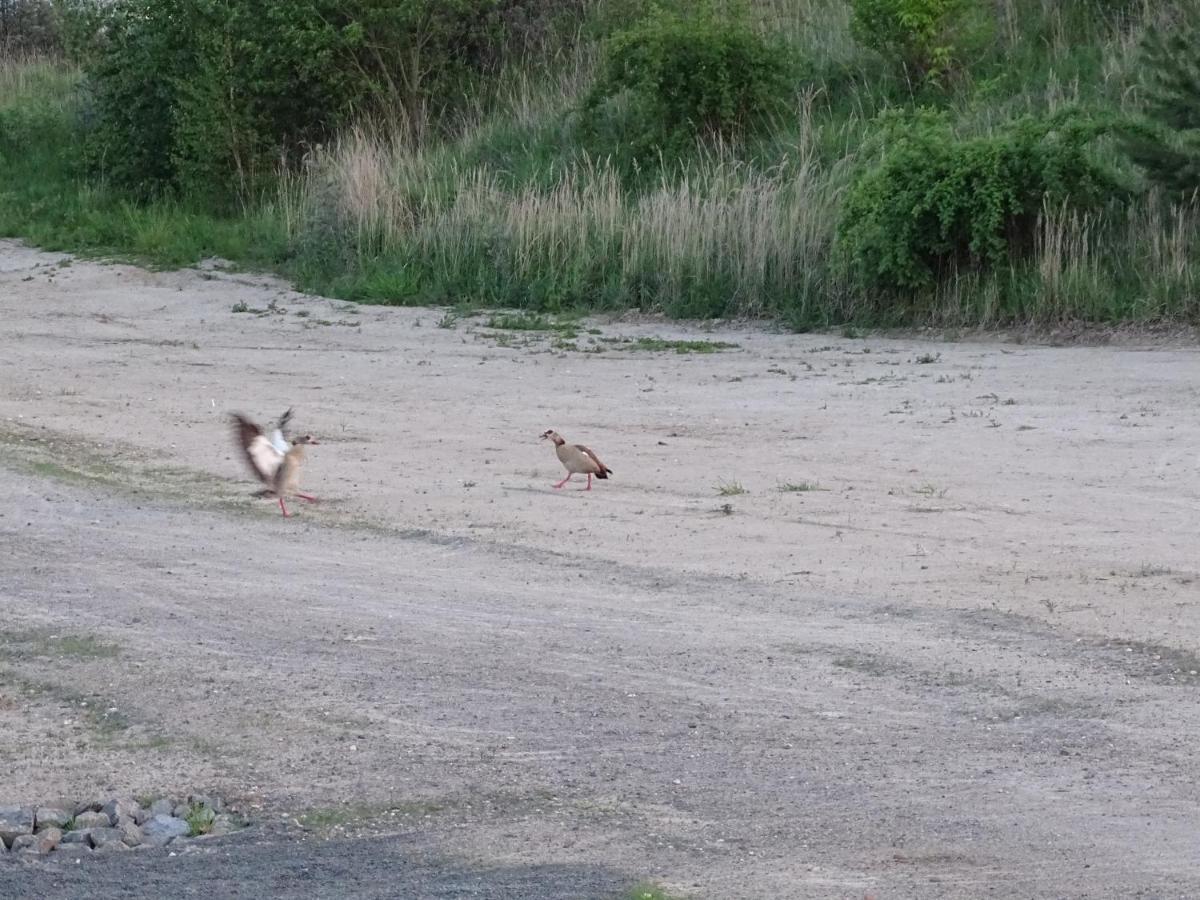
x=208, y=95
x=204, y=94
x=440, y=55
x=673, y=77
x=1166, y=145
x=928, y=38
x=28, y=25
x=935, y=204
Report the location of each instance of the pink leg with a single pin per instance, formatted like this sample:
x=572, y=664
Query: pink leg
x=564, y=481
x=589, y=487
x=286, y=514
x=309, y=497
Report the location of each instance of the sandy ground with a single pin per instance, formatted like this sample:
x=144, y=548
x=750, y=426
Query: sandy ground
x=961, y=661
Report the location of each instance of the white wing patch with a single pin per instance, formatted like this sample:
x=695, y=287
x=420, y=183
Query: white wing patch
x=265, y=457
x=279, y=442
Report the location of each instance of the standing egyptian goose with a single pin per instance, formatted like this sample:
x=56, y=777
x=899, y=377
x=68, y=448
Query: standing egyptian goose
x=577, y=459
x=273, y=459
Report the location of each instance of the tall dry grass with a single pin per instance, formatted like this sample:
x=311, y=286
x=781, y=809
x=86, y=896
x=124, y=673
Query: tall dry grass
x=27, y=76
x=759, y=235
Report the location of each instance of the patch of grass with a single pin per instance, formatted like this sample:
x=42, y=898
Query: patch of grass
x=1147, y=570
x=931, y=490
x=45, y=642
x=647, y=891
x=730, y=489
x=199, y=819
x=658, y=345
x=102, y=716
x=799, y=487
x=326, y=818
x=926, y=358
x=533, y=322
x=867, y=663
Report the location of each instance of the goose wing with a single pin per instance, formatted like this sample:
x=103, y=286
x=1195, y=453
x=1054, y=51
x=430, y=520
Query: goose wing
x=261, y=454
x=601, y=468
x=279, y=436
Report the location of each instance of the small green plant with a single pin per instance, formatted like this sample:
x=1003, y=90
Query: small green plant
x=199, y=819
x=799, y=487
x=930, y=490
x=449, y=319
x=672, y=78
x=927, y=358
x=659, y=345
x=730, y=489
x=531, y=322
x=240, y=307
x=646, y=892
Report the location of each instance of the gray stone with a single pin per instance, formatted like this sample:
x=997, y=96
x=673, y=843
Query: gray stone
x=116, y=810
x=86, y=806
x=42, y=842
x=163, y=807
x=91, y=819
x=78, y=836
x=51, y=817
x=108, y=839
x=15, y=821
x=181, y=810
x=105, y=837
x=131, y=834
x=160, y=830
x=225, y=824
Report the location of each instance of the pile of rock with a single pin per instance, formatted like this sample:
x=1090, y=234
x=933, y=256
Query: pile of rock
x=119, y=824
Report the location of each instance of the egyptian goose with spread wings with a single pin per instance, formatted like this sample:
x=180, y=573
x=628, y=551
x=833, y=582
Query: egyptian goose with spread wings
x=577, y=460
x=273, y=459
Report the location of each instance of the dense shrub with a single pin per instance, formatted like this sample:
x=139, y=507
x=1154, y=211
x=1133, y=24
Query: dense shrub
x=928, y=38
x=203, y=93
x=673, y=77
x=207, y=95
x=28, y=25
x=934, y=204
x=1167, y=144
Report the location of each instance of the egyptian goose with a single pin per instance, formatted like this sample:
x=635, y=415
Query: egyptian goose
x=577, y=459
x=273, y=459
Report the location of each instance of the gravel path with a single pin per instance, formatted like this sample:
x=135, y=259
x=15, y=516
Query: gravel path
x=961, y=662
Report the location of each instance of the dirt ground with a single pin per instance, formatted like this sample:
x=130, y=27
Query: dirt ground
x=854, y=617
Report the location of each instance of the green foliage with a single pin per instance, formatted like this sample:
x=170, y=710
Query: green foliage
x=210, y=95
x=934, y=204
x=928, y=38
x=1167, y=144
x=200, y=819
x=28, y=26
x=673, y=77
x=502, y=201
x=440, y=55
x=205, y=94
